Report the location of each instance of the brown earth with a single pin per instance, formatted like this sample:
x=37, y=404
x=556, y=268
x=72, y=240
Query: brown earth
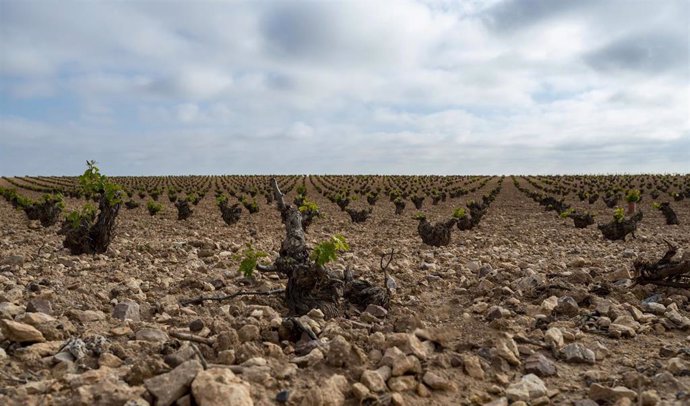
x=468, y=318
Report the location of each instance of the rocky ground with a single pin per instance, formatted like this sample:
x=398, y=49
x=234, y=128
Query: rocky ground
x=524, y=309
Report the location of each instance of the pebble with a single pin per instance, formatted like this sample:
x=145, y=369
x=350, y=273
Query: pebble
x=529, y=387
x=151, y=334
x=220, y=386
x=168, y=387
x=127, y=311
x=539, y=365
x=20, y=332
x=599, y=392
x=577, y=353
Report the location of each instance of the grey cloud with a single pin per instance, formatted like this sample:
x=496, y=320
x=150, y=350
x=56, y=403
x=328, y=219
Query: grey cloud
x=511, y=15
x=651, y=52
x=302, y=30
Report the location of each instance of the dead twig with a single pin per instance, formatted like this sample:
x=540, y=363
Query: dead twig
x=665, y=271
x=191, y=337
x=201, y=299
x=200, y=355
x=38, y=254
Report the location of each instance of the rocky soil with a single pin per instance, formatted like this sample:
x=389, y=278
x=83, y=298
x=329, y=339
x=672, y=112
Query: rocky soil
x=525, y=309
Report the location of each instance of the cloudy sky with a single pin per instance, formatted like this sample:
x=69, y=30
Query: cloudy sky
x=407, y=87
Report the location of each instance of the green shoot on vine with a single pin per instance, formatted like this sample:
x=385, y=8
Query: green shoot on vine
x=459, y=213
x=327, y=251
x=250, y=257
x=619, y=214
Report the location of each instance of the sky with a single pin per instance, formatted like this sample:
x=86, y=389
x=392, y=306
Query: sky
x=373, y=87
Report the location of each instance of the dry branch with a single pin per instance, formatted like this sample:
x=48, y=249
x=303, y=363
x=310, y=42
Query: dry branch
x=665, y=271
x=201, y=299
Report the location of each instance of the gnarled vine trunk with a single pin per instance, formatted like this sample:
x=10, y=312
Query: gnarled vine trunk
x=230, y=214
x=358, y=216
x=183, y=209
x=88, y=238
x=437, y=234
x=618, y=230
x=668, y=213
x=582, y=220
x=309, y=285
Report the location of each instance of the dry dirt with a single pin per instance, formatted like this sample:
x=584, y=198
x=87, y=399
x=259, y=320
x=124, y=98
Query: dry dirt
x=468, y=320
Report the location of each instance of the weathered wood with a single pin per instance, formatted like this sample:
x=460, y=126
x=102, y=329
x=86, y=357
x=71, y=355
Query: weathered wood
x=618, y=230
x=437, y=234
x=664, y=272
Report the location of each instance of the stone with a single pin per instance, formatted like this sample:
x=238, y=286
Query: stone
x=168, y=387
x=311, y=359
x=12, y=260
x=549, y=304
x=220, y=386
x=654, y=308
x=376, y=311
x=539, y=365
x=126, y=311
x=677, y=366
x=151, y=334
x=87, y=316
x=679, y=320
x=36, y=319
x=473, y=366
x=249, y=332
x=554, y=338
x=339, y=352
x=507, y=349
x=20, y=332
x=577, y=353
x=402, y=383
x=109, y=360
x=226, y=357
x=498, y=402
x=375, y=380
x=650, y=398
x=436, y=381
x=361, y=391
x=599, y=392
x=39, y=305
x=9, y=310
x=407, y=343
x=398, y=361
x=567, y=306
x=497, y=312
x=529, y=387
x=196, y=325
x=283, y=396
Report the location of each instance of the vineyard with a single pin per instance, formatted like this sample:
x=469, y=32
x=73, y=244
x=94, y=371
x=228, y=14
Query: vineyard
x=345, y=290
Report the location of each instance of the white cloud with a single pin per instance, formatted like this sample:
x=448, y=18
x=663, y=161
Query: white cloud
x=505, y=85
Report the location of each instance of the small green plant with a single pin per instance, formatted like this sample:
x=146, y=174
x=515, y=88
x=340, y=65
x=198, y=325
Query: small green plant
x=327, y=251
x=250, y=205
x=301, y=190
x=460, y=213
x=153, y=207
x=221, y=200
x=566, y=213
x=656, y=205
x=84, y=216
x=249, y=259
x=93, y=182
x=618, y=214
x=419, y=216
x=308, y=207
x=632, y=196
x=193, y=198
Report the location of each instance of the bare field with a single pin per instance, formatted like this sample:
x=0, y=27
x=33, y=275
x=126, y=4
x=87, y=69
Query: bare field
x=524, y=307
